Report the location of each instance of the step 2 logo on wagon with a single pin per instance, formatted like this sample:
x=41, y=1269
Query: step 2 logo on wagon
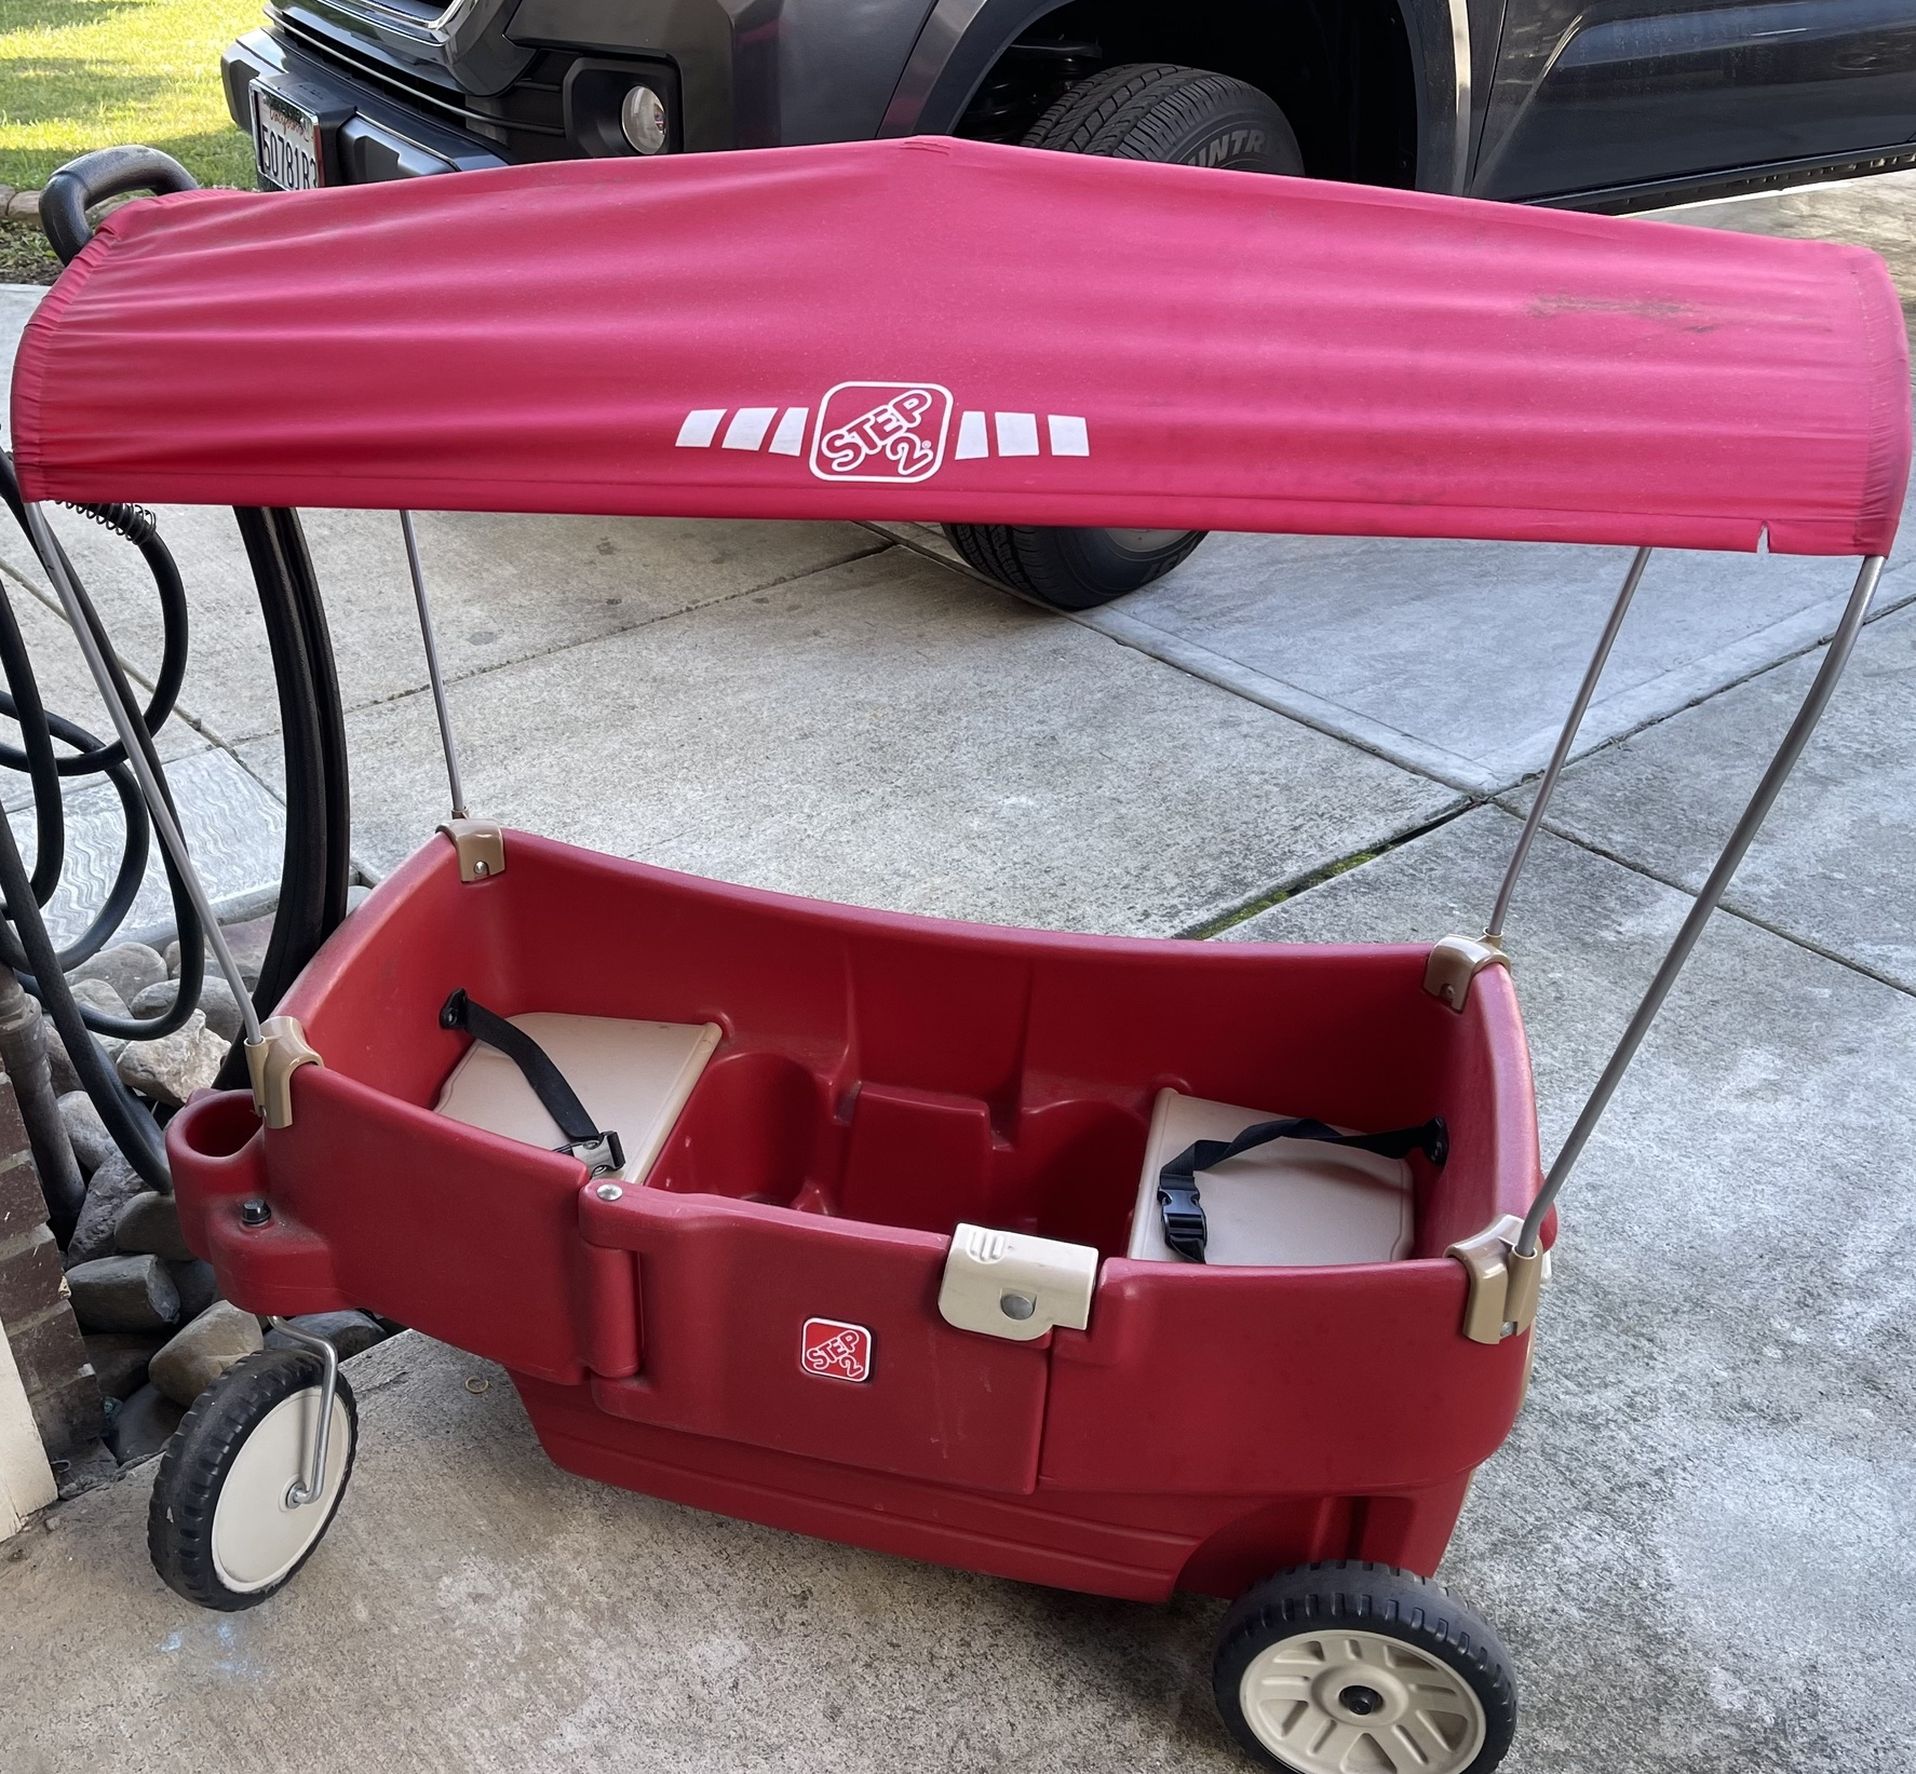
x=835, y=1350
x=888, y=433
x=881, y=431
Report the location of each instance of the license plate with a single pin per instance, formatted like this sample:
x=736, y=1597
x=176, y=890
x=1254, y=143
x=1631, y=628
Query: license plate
x=286, y=143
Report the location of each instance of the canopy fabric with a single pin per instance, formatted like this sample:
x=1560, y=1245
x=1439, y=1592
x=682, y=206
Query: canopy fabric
x=945, y=330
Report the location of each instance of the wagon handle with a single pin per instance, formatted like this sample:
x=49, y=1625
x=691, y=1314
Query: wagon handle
x=91, y=179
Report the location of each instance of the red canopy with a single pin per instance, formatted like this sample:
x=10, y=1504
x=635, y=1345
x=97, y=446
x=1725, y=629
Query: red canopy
x=938, y=329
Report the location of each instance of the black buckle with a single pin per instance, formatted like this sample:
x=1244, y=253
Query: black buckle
x=1185, y=1230
x=601, y=1157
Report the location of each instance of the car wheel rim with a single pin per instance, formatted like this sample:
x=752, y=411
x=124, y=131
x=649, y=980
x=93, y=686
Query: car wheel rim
x=1146, y=541
x=259, y=1535
x=1361, y=1703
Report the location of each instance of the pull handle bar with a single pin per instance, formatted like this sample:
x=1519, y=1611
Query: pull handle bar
x=91, y=179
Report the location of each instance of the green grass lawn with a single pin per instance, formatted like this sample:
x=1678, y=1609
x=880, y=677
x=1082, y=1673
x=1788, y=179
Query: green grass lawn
x=79, y=74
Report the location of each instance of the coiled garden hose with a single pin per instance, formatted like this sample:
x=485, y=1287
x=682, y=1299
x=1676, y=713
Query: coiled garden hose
x=316, y=864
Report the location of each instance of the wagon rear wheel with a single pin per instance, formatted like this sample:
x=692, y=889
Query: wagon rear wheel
x=1352, y=1668
x=224, y=1527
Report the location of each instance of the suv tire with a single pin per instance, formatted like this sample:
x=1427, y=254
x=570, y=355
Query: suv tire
x=1142, y=111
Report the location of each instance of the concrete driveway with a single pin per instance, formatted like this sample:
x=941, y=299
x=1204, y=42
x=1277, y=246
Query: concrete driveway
x=1698, y=1541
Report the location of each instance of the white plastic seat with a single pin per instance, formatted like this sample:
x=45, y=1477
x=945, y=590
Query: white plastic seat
x=632, y=1077
x=1293, y=1202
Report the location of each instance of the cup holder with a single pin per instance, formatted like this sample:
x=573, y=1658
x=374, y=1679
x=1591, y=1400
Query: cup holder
x=215, y=1130
x=749, y=1132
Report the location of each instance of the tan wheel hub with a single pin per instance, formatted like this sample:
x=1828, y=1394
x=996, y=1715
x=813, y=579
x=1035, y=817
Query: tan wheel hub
x=1361, y=1703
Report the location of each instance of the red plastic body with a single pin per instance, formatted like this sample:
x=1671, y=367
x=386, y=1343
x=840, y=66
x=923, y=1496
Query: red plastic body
x=880, y=1078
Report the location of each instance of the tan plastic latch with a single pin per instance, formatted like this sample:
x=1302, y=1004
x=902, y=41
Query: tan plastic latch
x=271, y=1062
x=1455, y=962
x=1504, y=1287
x=1010, y=1284
x=481, y=845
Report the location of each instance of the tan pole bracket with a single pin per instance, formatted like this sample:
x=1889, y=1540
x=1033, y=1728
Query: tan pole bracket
x=1504, y=1287
x=481, y=845
x=271, y=1062
x=1455, y=962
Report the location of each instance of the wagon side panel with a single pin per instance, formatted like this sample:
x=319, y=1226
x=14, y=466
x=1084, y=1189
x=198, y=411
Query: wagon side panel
x=1350, y=1391
x=377, y=1204
x=817, y=1337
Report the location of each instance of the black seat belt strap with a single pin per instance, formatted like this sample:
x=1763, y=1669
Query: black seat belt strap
x=1178, y=1202
x=601, y=1153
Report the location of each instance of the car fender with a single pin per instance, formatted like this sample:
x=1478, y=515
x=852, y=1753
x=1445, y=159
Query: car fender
x=962, y=40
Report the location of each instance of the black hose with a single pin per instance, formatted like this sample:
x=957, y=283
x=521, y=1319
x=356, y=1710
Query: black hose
x=134, y=1131
x=39, y=727
x=316, y=865
x=313, y=741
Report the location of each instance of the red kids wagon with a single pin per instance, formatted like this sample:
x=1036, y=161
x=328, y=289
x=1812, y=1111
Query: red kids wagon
x=1121, y=1265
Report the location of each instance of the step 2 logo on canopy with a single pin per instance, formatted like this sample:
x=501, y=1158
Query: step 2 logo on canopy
x=835, y=1350
x=881, y=431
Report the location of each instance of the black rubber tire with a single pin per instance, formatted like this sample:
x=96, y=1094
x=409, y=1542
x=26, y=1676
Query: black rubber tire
x=179, y=1519
x=1368, y=1598
x=1141, y=111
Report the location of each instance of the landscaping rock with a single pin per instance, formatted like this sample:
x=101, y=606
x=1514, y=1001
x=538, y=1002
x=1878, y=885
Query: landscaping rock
x=128, y=967
x=351, y=1333
x=221, y=1009
x=216, y=1001
x=96, y=994
x=92, y=1144
x=151, y=1223
x=197, y=1286
x=170, y=1069
x=247, y=941
x=196, y=1356
x=123, y=1294
x=66, y=1078
x=142, y=1425
x=114, y=1184
x=156, y=1000
x=119, y=1360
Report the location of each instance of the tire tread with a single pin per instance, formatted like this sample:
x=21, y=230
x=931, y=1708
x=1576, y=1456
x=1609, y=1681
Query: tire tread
x=1135, y=111
x=179, y=1521
x=1420, y=1610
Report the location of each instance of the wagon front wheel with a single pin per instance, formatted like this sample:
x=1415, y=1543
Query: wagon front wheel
x=228, y=1524
x=1351, y=1668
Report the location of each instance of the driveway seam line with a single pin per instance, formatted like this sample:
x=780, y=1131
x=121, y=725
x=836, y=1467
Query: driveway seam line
x=592, y=640
x=1848, y=962
x=1209, y=929
x=1654, y=721
x=1359, y=860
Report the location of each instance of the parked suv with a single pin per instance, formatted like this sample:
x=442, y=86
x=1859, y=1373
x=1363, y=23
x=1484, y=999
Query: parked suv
x=1613, y=106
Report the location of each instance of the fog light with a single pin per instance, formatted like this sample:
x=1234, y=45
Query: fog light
x=642, y=118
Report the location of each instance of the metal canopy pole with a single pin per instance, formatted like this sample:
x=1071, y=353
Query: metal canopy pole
x=79, y=613
x=1494, y=931
x=1820, y=691
x=446, y=742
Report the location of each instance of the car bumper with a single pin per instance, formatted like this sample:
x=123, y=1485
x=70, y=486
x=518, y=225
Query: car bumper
x=365, y=135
